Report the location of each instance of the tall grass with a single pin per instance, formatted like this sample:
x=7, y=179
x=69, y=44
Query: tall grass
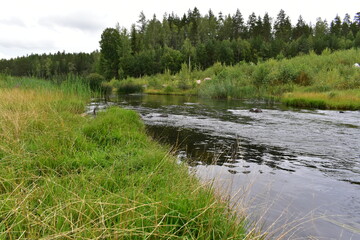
x=347, y=100
x=325, y=73
x=65, y=176
x=129, y=86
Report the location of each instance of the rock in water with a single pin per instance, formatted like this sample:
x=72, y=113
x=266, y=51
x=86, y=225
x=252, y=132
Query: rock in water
x=255, y=110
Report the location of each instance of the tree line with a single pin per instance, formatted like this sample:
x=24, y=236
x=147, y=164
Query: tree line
x=51, y=65
x=153, y=46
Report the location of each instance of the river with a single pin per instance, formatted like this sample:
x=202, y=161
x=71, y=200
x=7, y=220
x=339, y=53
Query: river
x=294, y=172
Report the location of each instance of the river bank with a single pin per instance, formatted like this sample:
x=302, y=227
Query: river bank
x=66, y=175
x=327, y=81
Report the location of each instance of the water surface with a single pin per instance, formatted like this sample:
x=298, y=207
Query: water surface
x=299, y=169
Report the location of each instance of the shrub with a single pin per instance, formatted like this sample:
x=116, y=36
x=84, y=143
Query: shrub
x=217, y=68
x=287, y=73
x=169, y=89
x=260, y=75
x=303, y=79
x=184, y=85
x=154, y=83
x=130, y=87
x=115, y=83
x=94, y=80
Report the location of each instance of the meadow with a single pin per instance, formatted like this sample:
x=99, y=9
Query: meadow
x=65, y=175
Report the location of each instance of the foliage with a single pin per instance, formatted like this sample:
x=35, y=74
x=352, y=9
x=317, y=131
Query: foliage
x=127, y=87
x=94, y=80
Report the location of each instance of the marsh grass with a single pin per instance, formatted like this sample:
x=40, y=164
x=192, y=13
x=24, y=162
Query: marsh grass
x=66, y=176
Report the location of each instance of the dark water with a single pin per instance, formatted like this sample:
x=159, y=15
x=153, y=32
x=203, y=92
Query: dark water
x=297, y=171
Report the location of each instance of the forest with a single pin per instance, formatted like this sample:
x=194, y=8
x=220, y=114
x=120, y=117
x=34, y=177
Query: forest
x=154, y=46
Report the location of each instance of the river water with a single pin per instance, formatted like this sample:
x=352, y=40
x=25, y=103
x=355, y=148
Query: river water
x=295, y=172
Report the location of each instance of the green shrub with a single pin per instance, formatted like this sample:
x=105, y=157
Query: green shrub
x=169, y=89
x=287, y=73
x=217, y=68
x=260, y=75
x=184, y=85
x=94, y=80
x=155, y=83
x=115, y=83
x=303, y=79
x=129, y=87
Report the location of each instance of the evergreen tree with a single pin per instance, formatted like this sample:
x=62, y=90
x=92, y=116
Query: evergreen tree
x=142, y=22
x=335, y=26
x=251, y=25
x=239, y=28
x=194, y=22
x=282, y=27
x=135, y=40
x=227, y=29
x=266, y=28
x=345, y=28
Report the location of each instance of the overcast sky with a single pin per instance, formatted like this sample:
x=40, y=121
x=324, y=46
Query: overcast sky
x=43, y=26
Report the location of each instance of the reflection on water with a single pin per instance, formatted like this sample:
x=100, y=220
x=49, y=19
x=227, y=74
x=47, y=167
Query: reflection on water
x=300, y=163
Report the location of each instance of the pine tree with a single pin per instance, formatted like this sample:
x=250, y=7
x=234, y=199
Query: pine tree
x=239, y=28
x=282, y=27
x=335, y=26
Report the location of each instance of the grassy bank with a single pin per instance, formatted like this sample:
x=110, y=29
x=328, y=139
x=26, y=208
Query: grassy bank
x=329, y=80
x=66, y=176
x=345, y=100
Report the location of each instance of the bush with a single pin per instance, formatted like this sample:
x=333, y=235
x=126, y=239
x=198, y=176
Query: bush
x=184, y=85
x=169, y=89
x=94, y=80
x=217, y=68
x=303, y=79
x=287, y=73
x=260, y=75
x=130, y=87
x=115, y=83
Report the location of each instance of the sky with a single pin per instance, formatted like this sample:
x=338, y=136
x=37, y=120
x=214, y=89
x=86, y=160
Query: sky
x=49, y=26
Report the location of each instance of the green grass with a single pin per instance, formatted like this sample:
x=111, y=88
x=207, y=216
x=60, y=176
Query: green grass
x=346, y=99
x=313, y=74
x=67, y=176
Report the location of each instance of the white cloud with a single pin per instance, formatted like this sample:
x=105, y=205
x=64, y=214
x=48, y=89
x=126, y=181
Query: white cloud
x=12, y=21
x=77, y=20
x=26, y=44
x=76, y=25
